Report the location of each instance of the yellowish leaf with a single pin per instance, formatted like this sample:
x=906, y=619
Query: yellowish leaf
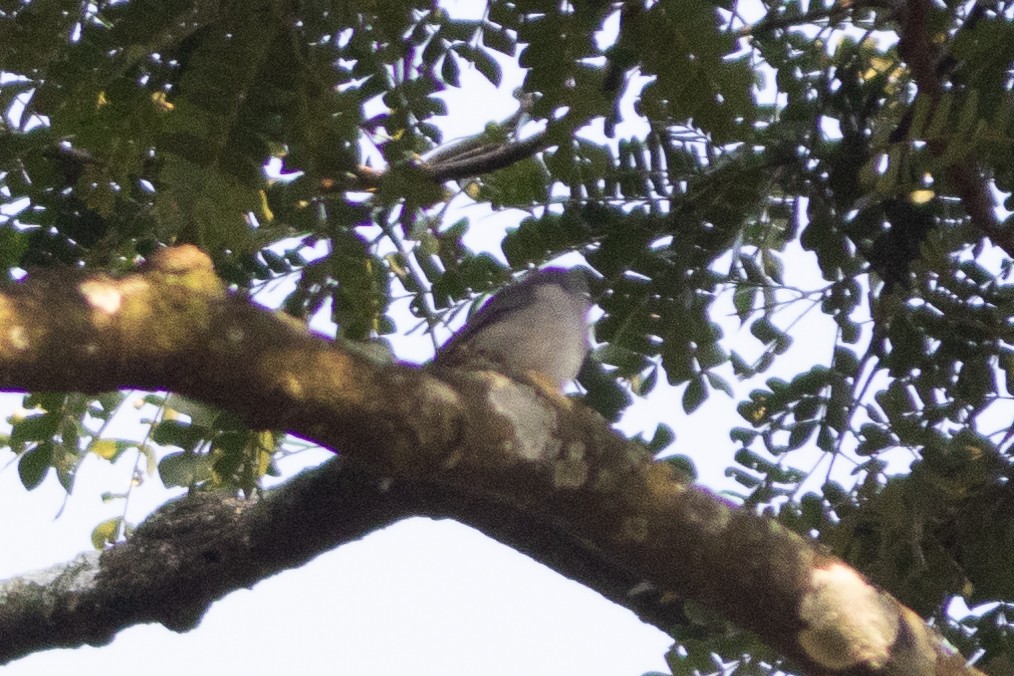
x=106, y=532
x=104, y=448
x=265, y=209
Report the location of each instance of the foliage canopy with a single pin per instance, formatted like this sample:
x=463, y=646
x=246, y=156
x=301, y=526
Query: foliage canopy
x=873, y=136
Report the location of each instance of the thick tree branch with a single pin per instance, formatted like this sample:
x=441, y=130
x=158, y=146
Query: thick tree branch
x=494, y=444
x=195, y=550
x=916, y=46
x=188, y=554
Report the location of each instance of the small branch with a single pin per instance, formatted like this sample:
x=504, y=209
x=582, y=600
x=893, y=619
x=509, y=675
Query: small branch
x=496, y=158
x=772, y=22
x=463, y=158
x=476, y=162
x=467, y=146
x=979, y=204
x=188, y=554
x=916, y=47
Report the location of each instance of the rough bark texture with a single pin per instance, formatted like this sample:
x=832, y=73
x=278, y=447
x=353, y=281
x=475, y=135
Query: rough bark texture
x=545, y=477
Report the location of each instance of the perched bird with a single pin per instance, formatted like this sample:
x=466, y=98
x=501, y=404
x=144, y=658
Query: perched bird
x=537, y=327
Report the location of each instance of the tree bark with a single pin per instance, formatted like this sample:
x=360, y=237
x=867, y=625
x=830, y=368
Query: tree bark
x=546, y=477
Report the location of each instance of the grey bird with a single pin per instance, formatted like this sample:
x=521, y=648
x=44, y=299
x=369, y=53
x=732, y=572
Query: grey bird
x=537, y=327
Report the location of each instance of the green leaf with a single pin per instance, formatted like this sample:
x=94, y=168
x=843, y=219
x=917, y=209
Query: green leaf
x=643, y=386
x=719, y=383
x=200, y=414
x=34, y=465
x=662, y=438
x=976, y=381
x=184, y=469
x=800, y=433
x=499, y=39
x=773, y=266
x=1007, y=364
x=33, y=429
x=807, y=408
x=764, y=331
x=603, y=393
x=482, y=60
x=449, y=71
x=743, y=299
x=106, y=532
x=812, y=511
x=521, y=184
x=13, y=244
x=873, y=438
x=709, y=355
x=408, y=182
x=206, y=202
x=742, y=478
x=683, y=465
x=107, y=449
x=834, y=493
x=694, y=395
x=180, y=434
x=627, y=361
x=743, y=435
